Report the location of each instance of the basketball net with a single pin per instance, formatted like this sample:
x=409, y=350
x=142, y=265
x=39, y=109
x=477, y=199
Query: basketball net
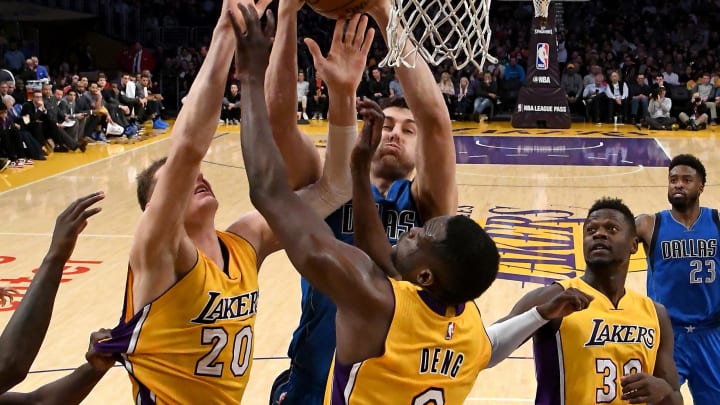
x=439, y=31
x=541, y=8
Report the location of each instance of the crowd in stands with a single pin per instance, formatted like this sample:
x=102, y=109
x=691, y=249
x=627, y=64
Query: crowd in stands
x=646, y=62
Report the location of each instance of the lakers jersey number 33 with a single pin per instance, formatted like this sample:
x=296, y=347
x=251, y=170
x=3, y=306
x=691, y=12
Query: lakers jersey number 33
x=582, y=361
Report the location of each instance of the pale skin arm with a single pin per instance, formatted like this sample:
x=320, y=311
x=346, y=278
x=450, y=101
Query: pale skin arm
x=342, y=70
x=360, y=290
x=162, y=251
x=434, y=188
x=296, y=148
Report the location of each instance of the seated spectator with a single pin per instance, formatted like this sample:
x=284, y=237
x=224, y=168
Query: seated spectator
x=230, y=113
x=639, y=97
x=659, y=109
x=35, y=120
x=595, y=99
x=696, y=116
x=572, y=84
x=11, y=144
x=377, y=86
x=32, y=149
x=395, y=87
x=706, y=91
x=617, y=93
x=303, y=87
x=319, y=101
x=513, y=71
x=464, y=99
x=151, y=103
x=447, y=88
x=484, y=94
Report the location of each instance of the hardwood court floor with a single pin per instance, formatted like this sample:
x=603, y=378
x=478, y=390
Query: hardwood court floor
x=530, y=187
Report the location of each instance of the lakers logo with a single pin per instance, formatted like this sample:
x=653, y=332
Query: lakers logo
x=604, y=333
x=539, y=246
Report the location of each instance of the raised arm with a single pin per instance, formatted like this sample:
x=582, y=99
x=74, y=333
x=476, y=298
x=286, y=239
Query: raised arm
x=343, y=70
x=297, y=149
x=73, y=388
x=663, y=386
x=369, y=233
x=162, y=251
x=434, y=188
x=342, y=272
x=25, y=332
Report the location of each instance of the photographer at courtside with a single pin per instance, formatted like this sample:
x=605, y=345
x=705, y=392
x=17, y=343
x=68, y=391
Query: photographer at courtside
x=659, y=108
x=696, y=116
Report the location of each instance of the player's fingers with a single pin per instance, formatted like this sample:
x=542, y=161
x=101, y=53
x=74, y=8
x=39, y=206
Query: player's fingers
x=250, y=15
x=84, y=202
x=360, y=33
x=338, y=33
x=261, y=6
x=314, y=51
x=88, y=213
x=367, y=41
x=237, y=22
x=351, y=29
x=271, y=22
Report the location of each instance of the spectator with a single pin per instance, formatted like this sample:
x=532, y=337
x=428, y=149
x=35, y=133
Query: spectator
x=695, y=117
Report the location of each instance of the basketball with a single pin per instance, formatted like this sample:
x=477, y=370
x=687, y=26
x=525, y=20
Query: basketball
x=335, y=9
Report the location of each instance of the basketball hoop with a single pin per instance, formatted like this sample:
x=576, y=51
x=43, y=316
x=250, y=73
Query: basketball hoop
x=541, y=8
x=439, y=31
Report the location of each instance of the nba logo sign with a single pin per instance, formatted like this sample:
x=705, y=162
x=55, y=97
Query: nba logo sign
x=542, y=61
x=450, y=331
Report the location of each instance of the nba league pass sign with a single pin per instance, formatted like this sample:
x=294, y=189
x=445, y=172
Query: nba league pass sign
x=541, y=102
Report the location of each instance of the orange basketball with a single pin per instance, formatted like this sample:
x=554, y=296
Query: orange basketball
x=338, y=8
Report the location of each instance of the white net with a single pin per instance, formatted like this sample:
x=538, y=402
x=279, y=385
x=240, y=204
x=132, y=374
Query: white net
x=455, y=30
x=541, y=8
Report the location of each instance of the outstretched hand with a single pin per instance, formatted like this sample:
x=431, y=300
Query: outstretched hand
x=71, y=222
x=6, y=295
x=100, y=361
x=253, y=43
x=345, y=63
x=371, y=134
x=565, y=303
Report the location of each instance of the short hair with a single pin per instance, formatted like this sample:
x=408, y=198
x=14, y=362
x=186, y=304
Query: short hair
x=3, y=107
x=610, y=203
x=144, y=75
x=472, y=260
x=689, y=160
x=146, y=182
x=398, y=102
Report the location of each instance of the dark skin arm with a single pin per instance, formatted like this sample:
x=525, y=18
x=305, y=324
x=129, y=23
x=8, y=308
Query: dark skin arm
x=358, y=288
x=663, y=386
x=73, y=388
x=369, y=235
x=23, y=335
x=645, y=224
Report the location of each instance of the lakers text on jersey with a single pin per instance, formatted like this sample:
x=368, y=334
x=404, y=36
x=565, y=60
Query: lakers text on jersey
x=582, y=361
x=194, y=343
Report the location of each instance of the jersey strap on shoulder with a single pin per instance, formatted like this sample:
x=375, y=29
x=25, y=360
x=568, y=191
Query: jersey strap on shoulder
x=716, y=218
x=653, y=240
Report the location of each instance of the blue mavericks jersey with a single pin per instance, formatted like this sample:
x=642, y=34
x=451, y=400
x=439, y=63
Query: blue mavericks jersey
x=313, y=343
x=682, y=268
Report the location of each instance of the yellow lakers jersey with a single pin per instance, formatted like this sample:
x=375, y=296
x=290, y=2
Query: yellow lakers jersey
x=582, y=361
x=194, y=343
x=430, y=357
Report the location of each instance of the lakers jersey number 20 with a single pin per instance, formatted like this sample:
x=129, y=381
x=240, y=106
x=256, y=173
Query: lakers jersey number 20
x=194, y=343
